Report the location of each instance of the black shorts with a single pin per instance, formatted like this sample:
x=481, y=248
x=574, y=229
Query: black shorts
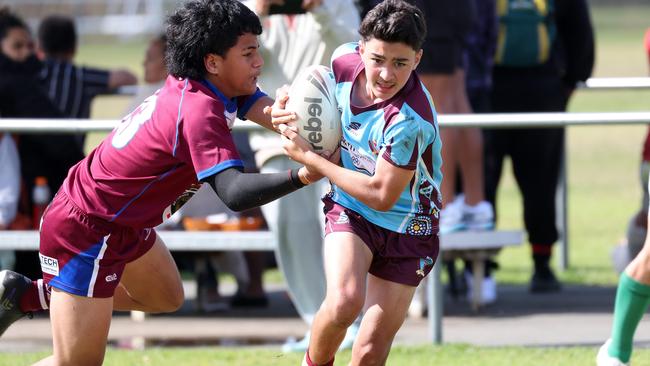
x=448, y=22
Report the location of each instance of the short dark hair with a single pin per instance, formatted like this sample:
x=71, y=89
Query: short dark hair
x=201, y=27
x=395, y=21
x=57, y=35
x=9, y=20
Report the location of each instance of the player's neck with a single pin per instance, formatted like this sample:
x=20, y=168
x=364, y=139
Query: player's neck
x=362, y=95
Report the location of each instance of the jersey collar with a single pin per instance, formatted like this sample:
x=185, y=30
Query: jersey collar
x=230, y=104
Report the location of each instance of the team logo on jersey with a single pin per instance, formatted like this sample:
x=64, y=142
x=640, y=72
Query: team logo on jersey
x=353, y=126
x=424, y=262
x=420, y=225
x=180, y=201
x=359, y=160
x=111, y=277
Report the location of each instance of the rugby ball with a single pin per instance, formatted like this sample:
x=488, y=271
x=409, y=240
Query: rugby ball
x=311, y=97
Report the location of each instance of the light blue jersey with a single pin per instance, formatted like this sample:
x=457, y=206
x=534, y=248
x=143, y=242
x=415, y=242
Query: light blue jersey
x=404, y=132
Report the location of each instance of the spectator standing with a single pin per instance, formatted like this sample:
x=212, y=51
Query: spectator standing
x=633, y=292
x=478, y=60
x=543, y=85
x=442, y=72
x=289, y=43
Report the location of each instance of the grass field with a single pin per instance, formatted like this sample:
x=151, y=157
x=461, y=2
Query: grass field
x=603, y=193
x=448, y=355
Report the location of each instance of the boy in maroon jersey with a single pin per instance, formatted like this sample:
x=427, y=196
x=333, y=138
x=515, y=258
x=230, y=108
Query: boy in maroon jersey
x=98, y=252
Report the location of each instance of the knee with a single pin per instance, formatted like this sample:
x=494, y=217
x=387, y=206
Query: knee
x=344, y=309
x=176, y=300
x=172, y=301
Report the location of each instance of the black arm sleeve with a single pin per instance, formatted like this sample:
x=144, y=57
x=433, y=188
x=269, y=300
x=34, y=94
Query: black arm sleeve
x=242, y=191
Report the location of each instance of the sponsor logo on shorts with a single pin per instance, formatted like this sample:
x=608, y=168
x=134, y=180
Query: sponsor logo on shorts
x=424, y=262
x=111, y=277
x=49, y=265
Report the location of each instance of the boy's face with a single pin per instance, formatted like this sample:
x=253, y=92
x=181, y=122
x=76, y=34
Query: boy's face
x=154, y=62
x=17, y=44
x=388, y=67
x=236, y=73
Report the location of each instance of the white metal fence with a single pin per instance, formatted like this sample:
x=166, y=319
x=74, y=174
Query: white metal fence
x=100, y=17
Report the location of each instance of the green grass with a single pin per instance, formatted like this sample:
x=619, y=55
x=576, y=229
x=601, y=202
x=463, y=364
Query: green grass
x=602, y=160
x=448, y=355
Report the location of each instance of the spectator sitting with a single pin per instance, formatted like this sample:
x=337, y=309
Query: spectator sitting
x=22, y=97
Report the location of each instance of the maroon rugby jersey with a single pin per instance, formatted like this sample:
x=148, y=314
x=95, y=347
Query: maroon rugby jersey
x=175, y=138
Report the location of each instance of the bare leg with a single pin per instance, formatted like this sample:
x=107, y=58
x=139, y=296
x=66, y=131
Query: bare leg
x=347, y=260
x=471, y=165
x=386, y=307
x=441, y=87
x=79, y=329
x=151, y=283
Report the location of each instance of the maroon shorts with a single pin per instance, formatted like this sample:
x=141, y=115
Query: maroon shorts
x=84, y=255
x=397, y=257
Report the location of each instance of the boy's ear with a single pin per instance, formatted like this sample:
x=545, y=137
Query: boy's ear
x=212, y=63
x=418, y=57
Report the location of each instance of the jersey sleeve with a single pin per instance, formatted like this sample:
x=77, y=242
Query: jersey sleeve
x=96, y=80
x=400, y=146
x=209, y=146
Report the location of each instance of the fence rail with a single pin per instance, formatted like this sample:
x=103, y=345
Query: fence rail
x=491, y=120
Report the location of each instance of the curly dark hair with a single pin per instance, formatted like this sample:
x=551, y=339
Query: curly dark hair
x=57, y=35
x=395, y=21
x=201, y=27
x=9, y=20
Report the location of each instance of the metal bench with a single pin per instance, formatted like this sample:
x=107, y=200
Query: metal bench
x=474, y=246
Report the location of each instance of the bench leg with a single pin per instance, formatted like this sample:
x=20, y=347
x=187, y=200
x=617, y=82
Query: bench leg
x=478, y=267
x=434, y=303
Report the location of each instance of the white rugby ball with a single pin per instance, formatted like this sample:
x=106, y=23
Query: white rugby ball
x=311, y=96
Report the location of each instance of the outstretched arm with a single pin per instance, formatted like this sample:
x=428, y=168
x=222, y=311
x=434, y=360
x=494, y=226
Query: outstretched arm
x=241, y=191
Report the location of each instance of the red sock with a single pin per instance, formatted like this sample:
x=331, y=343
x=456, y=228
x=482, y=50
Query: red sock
x=311, y=363
x=36, y=298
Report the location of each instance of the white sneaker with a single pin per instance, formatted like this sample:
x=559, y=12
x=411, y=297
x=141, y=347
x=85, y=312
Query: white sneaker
x=604, y=359
x=451, y=217
x=294, y=345
x=479, y=216
x=488, y=289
